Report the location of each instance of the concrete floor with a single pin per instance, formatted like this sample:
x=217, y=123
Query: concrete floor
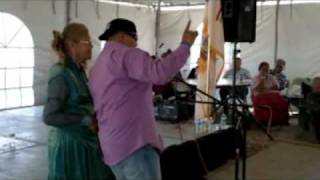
x=23, y=150
x=281, y=161
x=23, y=144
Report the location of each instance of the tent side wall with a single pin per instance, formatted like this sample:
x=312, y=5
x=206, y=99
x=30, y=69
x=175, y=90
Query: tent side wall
x=41, y=20
x=96, y=19
x=298, y=39
x=172, y=24
x=298, y=43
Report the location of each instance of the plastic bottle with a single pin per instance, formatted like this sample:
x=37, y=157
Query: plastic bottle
x=197, y=126
x=201, y=126
x=223, y=121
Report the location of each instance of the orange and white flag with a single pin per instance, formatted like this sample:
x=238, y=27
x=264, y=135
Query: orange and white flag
x=211, y=59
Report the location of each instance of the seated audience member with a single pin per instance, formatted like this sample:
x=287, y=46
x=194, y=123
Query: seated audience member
x=241, y=74
x=266, y=94
x=264, y=82
x=306, y=88
x=278, y=73
x=313, y=107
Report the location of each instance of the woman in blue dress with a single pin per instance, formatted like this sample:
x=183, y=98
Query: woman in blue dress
x=73, y=149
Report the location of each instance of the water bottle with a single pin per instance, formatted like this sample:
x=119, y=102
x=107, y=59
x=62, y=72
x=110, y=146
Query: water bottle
x=223, y=121
x=205, y=126
x=212, y=127
x=197, y=126
x=201, y=126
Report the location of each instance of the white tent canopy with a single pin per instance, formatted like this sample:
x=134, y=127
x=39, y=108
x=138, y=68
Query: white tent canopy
x=298, y=40
x=184, y=3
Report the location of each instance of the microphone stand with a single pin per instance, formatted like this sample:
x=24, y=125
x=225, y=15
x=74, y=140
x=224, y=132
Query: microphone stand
x=240, y=126
x=215, y=101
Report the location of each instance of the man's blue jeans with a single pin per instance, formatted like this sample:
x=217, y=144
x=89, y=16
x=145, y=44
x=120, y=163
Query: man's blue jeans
x=144, y=164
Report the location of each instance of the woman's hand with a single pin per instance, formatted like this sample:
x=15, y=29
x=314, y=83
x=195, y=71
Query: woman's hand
x=263, y=78
x=261, y=83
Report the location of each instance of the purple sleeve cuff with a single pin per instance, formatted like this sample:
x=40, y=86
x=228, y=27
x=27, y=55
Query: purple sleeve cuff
x=186, y=44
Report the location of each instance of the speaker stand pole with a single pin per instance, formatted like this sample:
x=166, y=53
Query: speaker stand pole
x=239, y=125
x=233, y=111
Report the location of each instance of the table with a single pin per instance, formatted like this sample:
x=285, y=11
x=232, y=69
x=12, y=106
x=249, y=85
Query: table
x=223, y=83
x=229, y=83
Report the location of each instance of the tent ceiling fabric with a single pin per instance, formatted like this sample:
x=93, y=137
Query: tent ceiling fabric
x=164, y=2
x=172, y=2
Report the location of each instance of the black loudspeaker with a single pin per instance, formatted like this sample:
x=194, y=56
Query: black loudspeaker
x=184, y=161
x=239, y=20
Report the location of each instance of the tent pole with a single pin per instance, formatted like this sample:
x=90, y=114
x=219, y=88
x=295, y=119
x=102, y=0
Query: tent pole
x=157, y=27
x=117, y=9
x=68, y=11
x=276, y=32
x=53, y=3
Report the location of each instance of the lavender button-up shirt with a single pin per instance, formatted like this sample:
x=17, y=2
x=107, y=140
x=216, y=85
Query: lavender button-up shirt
x=121, y=85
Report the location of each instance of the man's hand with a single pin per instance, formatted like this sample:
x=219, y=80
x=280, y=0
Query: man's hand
x=188, y=35
x=94, y=126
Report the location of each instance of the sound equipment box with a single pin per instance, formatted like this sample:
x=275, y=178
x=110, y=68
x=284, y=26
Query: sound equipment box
x=184, y=161
x=173, y=111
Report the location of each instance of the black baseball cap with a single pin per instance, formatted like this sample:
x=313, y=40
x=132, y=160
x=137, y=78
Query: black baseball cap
x=119, y=25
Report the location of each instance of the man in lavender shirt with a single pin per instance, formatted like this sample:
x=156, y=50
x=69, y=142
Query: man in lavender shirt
x=121, y=85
